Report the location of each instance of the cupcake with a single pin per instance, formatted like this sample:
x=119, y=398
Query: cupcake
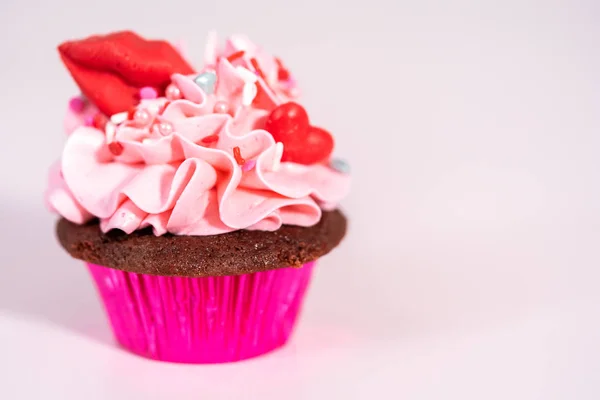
x=199, y=199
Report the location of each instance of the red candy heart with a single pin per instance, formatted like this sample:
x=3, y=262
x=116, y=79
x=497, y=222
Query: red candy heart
x=111, y=69
x=302, y=142
x=288, y=123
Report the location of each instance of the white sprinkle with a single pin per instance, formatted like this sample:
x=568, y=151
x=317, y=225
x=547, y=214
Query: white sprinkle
x=239, y=42
x=247, y=75
x=210, y=51
x=110, y=129
x=119, y=118
x=249, y=93
x=278, y=155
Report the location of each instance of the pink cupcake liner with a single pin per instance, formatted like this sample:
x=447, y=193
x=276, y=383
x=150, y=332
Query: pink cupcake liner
x=202, y=320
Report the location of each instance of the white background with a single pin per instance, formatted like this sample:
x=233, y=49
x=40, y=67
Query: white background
x=472, y=265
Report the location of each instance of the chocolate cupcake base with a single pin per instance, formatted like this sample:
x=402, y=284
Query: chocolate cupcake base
x=234, y=253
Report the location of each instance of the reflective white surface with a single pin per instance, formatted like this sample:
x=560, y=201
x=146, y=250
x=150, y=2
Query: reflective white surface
x=471, y=267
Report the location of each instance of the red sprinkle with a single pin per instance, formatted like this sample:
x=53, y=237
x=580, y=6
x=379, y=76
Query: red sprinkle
x=282, y=74
x=210, y=139
x=236, y=55
x=262, y=99
x=238, y=156
x=99, y=121
x=116, y=148
x=164, y=107
x=131, y=113
x=257, y=68
x=154, y=126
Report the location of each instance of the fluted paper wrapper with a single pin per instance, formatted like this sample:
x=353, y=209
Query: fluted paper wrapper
x=202, y=320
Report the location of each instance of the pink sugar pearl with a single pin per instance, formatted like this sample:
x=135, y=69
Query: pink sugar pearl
x=248, y=165
x=165, y=128
x=148, y=93
x=221, y=107
x=77, y=104
x=173, y=92
x=141, y=116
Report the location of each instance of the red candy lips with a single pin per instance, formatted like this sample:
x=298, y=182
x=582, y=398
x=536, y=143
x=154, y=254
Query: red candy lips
x=302, y=142
x=111, y=69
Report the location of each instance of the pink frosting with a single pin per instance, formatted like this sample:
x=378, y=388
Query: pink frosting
x=179, y=184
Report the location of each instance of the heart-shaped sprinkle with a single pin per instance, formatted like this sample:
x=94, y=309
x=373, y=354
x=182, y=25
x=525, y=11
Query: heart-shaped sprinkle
x=206, y=81
x=303, y=143
x=288, y=122
x=340, y=165
x=316, y=146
